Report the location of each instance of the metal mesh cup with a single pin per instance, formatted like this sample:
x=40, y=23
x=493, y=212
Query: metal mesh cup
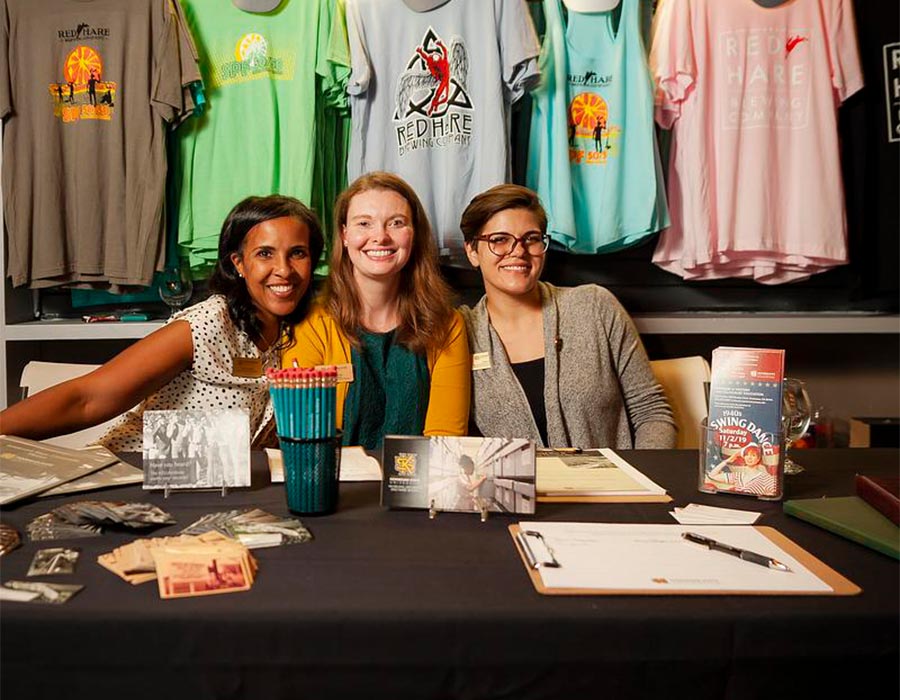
x=311, y=473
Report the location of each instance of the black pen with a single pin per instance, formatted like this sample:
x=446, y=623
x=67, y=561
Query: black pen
x=744, y=554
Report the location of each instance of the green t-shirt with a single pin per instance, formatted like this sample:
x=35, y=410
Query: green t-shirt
x=260, y=132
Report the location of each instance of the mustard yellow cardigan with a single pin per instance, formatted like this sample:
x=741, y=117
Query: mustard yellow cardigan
x=319, y=341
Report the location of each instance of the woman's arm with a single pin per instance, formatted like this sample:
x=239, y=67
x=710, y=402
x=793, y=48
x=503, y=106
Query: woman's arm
x=451, y=385
x=645, y=402
x=121, y=383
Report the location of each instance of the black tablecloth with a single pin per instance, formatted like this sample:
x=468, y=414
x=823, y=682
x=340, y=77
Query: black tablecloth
x=387, y=604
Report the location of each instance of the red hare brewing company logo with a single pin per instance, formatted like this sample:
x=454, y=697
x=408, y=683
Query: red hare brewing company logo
x=433, y=105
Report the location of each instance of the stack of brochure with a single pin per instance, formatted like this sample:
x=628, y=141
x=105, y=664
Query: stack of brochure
x=28, y=468
x=591, y=473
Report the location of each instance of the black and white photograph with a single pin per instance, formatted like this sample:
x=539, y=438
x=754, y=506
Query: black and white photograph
x=196, y=449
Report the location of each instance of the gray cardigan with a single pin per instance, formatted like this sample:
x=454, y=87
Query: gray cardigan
x=599, y=390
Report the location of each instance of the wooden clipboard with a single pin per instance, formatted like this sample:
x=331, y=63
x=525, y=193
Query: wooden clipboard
x=661, y=498
x=840, y=585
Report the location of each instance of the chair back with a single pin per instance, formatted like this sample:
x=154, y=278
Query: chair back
x=38, y=376
x=683, y=380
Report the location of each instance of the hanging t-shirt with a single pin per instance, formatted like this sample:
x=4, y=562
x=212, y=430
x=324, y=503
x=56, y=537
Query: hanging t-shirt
x=258, y=133
x=592, y=155
x=430, y=94
x=751, y=94
x=85, y=91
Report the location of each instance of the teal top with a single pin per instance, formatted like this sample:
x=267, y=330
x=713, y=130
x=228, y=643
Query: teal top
x=389, y=392
x=593, y=158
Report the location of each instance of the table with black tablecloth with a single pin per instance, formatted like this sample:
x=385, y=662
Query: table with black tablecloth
x=390, y=604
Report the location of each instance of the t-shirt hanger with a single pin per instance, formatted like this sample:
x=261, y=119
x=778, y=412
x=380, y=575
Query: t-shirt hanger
x=591, y=5
x=424, y=5
x=257, y=6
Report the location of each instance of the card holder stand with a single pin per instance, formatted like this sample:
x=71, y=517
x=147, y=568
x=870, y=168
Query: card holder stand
x=167, y=490
x=433, y=511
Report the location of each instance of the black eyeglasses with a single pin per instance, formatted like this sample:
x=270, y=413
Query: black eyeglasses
x=501, y=244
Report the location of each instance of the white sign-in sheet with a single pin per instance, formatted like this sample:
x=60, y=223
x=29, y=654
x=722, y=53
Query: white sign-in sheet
x=640, y=558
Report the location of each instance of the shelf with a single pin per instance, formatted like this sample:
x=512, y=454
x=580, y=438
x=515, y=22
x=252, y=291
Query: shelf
x=758, y=323
x=659, y=324
x=75, y=329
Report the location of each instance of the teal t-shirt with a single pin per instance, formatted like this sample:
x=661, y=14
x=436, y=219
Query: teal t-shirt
x=592, y=154
x=260, y=130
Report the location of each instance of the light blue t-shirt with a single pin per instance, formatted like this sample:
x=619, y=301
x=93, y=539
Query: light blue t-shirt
x=592, y=154
x=430, y=96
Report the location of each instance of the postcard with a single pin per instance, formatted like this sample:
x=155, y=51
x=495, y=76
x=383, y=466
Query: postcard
x=462, y=474
x=196, y=449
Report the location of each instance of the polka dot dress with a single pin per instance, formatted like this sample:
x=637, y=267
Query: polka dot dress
x=208, y=384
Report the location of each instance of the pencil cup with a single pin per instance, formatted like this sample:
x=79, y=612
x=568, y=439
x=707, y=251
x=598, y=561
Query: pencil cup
x=741, y=459
x=311, y=473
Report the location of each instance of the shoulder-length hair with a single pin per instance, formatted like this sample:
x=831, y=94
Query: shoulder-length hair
x=424, y=303
x=225, y=279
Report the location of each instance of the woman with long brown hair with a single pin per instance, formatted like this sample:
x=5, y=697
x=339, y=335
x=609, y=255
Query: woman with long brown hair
x=386, y=320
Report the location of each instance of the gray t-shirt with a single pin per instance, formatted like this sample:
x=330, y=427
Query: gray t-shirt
x=430, y=94
x=86, y=89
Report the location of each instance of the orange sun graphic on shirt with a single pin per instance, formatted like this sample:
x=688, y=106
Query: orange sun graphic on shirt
x=587, y=109
x=80, y=63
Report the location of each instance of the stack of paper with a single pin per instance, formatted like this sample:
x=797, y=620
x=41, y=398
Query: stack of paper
x=590, y=473
x=694, y=514
x=28, y=467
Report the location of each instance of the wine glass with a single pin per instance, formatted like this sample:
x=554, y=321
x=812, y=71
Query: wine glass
x=795, y=416
x=176, y=286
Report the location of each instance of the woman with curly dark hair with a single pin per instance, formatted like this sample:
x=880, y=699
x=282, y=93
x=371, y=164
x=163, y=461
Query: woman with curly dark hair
x=387, y=320
x=212, y=355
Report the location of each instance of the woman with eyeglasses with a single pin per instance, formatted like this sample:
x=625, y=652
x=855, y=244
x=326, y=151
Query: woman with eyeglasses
x=563, y=366
x=386, y=320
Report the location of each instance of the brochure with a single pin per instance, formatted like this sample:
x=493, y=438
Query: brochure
x=590, y=473
x=28, y=467
x=742, y=445
x=462, y=474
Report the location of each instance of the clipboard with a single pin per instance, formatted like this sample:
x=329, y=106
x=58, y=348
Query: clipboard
x=840, y=585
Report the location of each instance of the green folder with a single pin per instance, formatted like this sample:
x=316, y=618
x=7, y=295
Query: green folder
x=849, y=517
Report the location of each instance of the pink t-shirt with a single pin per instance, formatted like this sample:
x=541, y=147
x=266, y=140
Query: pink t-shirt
x=754, y=174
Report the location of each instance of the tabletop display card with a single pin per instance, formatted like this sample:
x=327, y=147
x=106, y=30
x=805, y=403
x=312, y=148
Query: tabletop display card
x=742, y=445
x=28, y=467
x=196, y=449
x=463, y=474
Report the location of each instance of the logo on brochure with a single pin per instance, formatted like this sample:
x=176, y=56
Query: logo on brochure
x=405, y=464
x=83, y=93
x=589, y=122
x=433, y=104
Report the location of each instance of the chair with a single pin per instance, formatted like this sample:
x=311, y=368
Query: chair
x=38, y=376
x=682, y=380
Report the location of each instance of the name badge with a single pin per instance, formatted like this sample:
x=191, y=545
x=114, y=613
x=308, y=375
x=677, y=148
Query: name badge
x=246, y=367
x=344, y=372
x=481, y=360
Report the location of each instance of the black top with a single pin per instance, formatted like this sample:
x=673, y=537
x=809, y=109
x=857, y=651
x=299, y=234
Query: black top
x=531, y=376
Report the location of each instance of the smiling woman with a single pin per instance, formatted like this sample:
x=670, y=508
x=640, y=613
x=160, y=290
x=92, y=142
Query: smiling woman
x=268, y=248
x=386, y=319
x=534, y=343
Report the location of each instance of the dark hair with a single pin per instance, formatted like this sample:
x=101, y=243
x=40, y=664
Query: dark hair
x=467, y=464
x=426, y=313
x=499, y=198
x=225, y=279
